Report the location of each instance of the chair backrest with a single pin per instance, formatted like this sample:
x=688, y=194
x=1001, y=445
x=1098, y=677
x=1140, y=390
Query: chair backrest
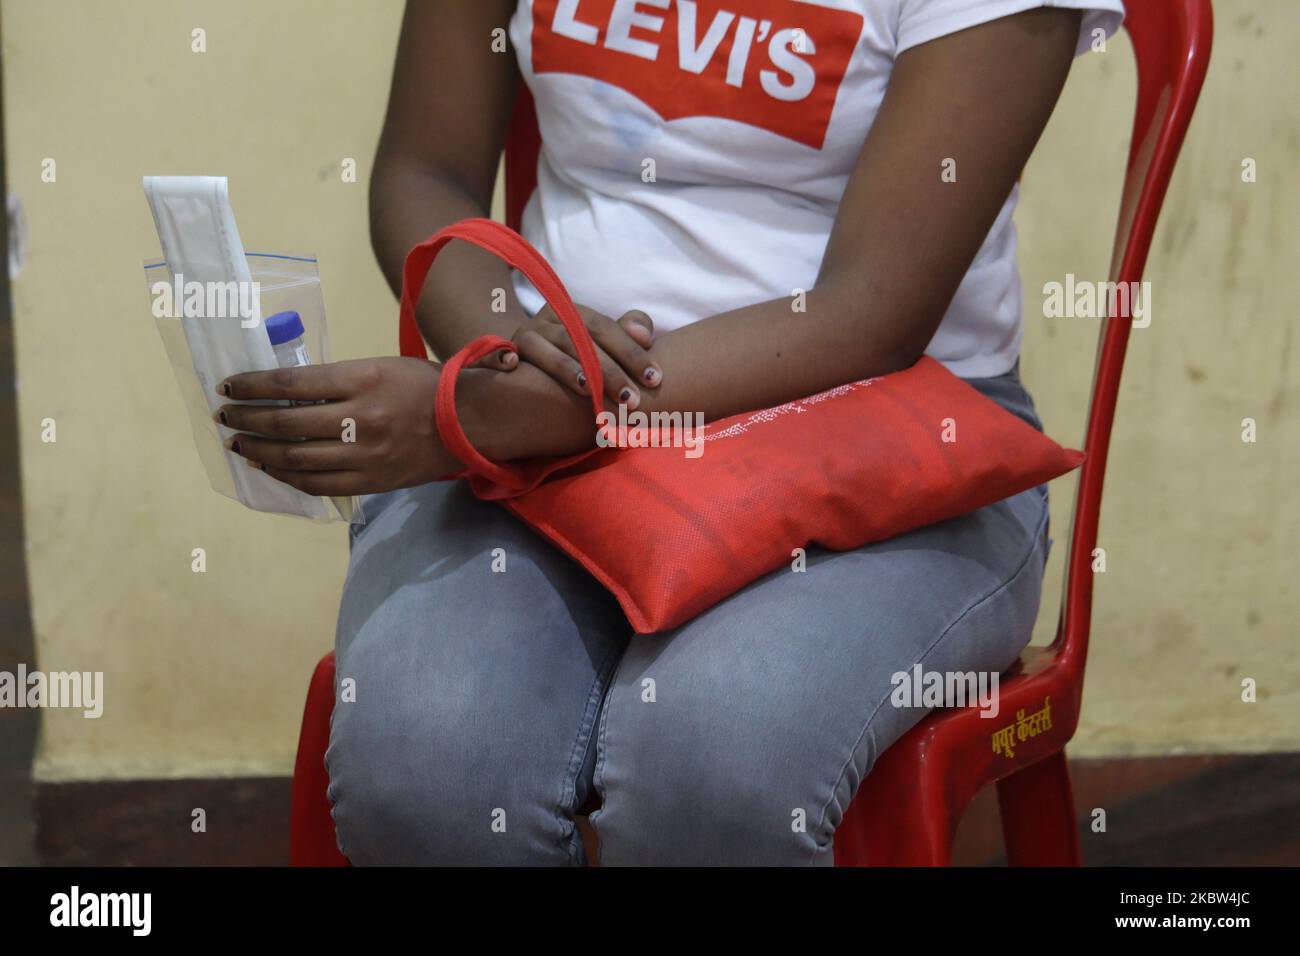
x=523, y=144
x=1171, y=40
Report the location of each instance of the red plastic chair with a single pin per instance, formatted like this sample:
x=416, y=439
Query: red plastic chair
x=907, y=810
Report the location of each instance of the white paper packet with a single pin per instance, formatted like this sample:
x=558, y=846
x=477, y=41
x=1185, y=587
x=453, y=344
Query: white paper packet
x=209, y=299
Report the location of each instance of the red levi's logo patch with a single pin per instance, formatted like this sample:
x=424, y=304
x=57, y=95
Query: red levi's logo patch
x=773, y=64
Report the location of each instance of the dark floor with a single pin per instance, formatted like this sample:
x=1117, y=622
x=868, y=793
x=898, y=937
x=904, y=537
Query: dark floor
x=1223, y=810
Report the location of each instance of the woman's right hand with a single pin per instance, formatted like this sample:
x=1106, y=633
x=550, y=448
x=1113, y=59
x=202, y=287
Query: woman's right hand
x=623, y=347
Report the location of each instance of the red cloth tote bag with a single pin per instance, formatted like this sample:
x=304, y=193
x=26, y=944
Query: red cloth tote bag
x=671, y=535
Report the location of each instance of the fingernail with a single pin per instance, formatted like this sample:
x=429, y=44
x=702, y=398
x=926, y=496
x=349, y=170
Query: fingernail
x=652, y=376
x=224, y=389
x=628, y=397
x=507, y=357
x=234, y=446
x=221, y=417
x=582, y=380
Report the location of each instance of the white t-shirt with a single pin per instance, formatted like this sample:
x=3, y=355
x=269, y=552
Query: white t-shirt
x=694, y=153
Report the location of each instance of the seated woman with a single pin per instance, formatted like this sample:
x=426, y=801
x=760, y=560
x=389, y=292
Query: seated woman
x=752, y=205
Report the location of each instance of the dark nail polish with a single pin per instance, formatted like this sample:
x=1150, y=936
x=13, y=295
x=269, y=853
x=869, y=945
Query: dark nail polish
x=222, y=417
x=234, y=446
x=652, y=376
x=582, y=380
x=225, y=389
x=625, y=395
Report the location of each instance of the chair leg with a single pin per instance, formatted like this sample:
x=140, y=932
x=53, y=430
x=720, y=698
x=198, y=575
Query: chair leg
x=901, y=835
x=899, y=817
x=311, y=827
x=1037, y=807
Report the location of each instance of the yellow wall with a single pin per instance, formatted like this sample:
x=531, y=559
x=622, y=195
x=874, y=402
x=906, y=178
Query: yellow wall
x=205, y=673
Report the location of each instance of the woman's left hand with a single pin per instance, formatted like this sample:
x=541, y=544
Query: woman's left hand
x=622, y=347
x=369, y=426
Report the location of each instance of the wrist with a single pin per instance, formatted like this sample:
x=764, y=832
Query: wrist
x=522, y=414
x=477, y=391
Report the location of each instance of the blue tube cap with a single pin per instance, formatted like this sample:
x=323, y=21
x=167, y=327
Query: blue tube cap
x=284, y=327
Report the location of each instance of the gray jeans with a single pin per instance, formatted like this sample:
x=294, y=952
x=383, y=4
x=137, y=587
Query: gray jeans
x=487, y=706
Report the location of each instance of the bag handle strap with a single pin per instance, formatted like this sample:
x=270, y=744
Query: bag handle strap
x=514, y=250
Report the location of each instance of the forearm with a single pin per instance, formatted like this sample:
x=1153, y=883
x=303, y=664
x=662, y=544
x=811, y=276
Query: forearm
x=749, y=358
x=408, y=203
x=769, y=353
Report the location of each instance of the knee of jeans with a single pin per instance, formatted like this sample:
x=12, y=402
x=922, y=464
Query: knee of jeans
x=407, y=790
x=679, y=793
x=375, y=798
x=389, y=813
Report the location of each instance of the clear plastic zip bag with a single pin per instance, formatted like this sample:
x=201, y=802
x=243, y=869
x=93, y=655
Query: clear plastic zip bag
x=246, y=319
